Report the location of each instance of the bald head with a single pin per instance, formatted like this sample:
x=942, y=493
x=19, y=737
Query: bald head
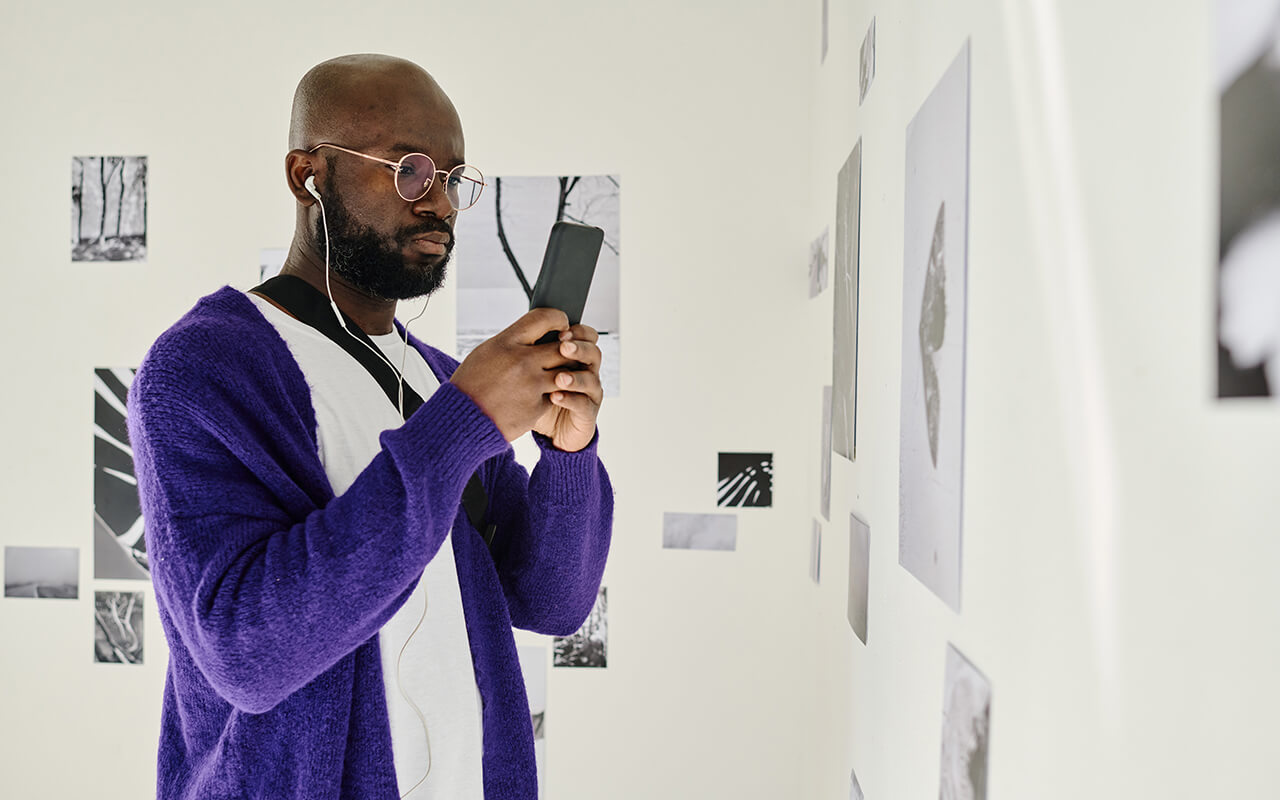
x=356, y=99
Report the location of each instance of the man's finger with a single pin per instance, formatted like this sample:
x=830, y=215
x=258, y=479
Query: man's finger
x=583, y=382
x=579, y=405
x=530, y=328
x=584, y=333
x=583, y=352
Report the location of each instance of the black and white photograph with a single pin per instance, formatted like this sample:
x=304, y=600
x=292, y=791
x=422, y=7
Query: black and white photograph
x=108, y=208
x=119, y=549
x=501, y=242
x=819, y=269
x=699, y=531
x=36, y=572
x=855, y=788
x=117, y=627
x=824, y=457
x=270, y=262
x=746, y=480
x=815, y=553
x=935, y=269
x=859, y=575
x=867, y=62
x=826, y=16
x=844, y=352
x=1248, y=280
x=589, y=645
x=966, y=730
x=533, y=665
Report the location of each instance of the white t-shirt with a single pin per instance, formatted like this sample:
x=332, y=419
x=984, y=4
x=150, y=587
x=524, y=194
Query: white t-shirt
x=436, y=670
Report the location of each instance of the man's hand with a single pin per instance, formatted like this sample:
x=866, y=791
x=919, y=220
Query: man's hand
x=571, y=421
x=552, y=388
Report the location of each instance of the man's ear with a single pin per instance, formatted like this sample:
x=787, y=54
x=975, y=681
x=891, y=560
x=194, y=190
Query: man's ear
x=298, y=166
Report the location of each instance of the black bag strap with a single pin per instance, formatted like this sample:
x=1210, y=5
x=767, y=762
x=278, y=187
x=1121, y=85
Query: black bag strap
x=309, y=305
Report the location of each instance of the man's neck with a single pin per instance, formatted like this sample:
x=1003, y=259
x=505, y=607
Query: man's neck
x=375, y=317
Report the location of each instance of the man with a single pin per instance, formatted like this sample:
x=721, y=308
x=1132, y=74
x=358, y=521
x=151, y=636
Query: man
x=338, y=626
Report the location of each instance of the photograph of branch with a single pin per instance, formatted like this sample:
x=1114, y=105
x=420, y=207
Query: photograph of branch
x=746, y=480
x=119, y=549
x=819, y=269
x=867, y=62
x=498, y=256
x=117, y=637
x=699, y=531
x=533, y=666
x=271, y=261
x=1248, y=274
x=42, y=572
x=935, y=268
x=589, y=645
x=859, y=575
x=966, y=730
x=844, y=353
x=108, y=208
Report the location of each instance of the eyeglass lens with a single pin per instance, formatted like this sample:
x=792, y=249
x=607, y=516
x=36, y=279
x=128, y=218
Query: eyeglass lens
x=462, y=184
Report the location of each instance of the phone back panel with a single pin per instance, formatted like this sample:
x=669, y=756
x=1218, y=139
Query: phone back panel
x=567, y=269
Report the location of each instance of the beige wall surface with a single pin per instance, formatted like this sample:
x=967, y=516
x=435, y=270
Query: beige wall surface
x=1117, y=567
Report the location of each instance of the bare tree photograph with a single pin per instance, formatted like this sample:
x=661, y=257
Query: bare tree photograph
x=500, y=245
x=934, y=311
x=966, y=730
x=746, y=480
x=1248, y=274
x=270, y=262
x=867, y=62
x=39, y=572
x=117, y=637
x=108, y=208
x=819, y=267
x=824, y=456
x=699, y=531
x=119, y=548
x=589, y=645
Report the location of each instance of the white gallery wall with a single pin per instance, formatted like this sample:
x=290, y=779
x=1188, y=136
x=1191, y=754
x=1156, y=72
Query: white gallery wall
x=1117, y=582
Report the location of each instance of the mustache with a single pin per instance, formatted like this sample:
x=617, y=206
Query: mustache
x=406, y=235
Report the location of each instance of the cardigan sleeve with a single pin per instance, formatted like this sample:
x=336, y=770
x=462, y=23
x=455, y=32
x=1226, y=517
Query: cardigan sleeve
x=553, y=537
x=265, y=583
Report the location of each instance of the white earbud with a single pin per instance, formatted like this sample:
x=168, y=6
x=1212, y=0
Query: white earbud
x=310, y=184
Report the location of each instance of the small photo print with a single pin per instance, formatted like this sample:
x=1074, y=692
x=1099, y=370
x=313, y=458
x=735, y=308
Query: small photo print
x=119, y=548
x=699, y=531
x=966, y=730
x=589, y=646
x=825, y=16
x=746, y=480
x=815, y=552
x=819, y=265
x=867, y=70
x=117, y=632
x=533, y=665
x=108, y=208
x=42, y=572
x=844, y=350
x=270, y=262
x=855, y=788
x=859, y=575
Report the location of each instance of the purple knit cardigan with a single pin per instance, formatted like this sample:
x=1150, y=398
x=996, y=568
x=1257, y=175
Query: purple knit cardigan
x=271, y=590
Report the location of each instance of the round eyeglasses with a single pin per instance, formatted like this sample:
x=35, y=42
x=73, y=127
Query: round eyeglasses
x=414, y=174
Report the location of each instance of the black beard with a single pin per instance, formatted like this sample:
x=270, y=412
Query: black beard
x=373, y=263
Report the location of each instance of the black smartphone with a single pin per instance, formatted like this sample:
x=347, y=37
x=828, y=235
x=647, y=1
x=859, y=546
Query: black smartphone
x=567, y=269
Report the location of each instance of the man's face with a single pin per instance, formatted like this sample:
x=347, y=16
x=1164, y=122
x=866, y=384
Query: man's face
x=388, y=257
x=380, y=243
